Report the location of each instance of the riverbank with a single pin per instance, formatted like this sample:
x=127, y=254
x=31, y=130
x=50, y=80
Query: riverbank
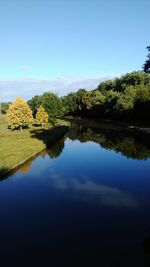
x=109, y=124
x=16, y=147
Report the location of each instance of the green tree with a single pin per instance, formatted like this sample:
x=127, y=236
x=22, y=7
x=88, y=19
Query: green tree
x=4, y=107
x=119, y=84
x=53, y=106
x=70, y=103
x=107, y=85
x=19, y=114
x=127, y=99
x=146, y=66
x=87, y=100
x=35, y=103
x=41, y=116
x=92, y=99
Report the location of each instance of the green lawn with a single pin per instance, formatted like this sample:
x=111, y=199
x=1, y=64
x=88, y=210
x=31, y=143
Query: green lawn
x=17, y=147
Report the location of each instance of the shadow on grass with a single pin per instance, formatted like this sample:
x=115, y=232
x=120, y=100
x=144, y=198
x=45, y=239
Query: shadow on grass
x=51, y=136
x=54, y=142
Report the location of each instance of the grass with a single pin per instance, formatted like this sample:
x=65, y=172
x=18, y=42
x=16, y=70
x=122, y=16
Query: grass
x=16, y=147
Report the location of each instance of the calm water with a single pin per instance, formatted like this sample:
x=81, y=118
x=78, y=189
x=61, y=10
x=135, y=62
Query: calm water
x=83, y=202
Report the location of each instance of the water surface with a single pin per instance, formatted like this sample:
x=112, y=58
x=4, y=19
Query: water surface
x=83, y=202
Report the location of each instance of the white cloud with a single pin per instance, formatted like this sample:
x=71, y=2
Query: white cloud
x=29, y=87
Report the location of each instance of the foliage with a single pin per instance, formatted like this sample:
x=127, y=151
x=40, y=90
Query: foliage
x=53, y=106
x=19, y=114
x=119, y=84
x=126, y=100
x=4, y=107
x=111, y=98
x=35, y=103
x=146, y=66
x=70, y=103
x=130, y=144
x=127, y=97
x=51, y=103
x=73, y=101
x=93, y=98
x=41, y=116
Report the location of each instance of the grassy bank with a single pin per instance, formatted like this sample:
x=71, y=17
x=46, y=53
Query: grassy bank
x=17, y=147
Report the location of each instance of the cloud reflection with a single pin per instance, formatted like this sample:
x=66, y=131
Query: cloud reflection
x=89, y=191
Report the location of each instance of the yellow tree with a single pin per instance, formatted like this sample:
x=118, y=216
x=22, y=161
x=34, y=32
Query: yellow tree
x=19, y=114
x=41, y=116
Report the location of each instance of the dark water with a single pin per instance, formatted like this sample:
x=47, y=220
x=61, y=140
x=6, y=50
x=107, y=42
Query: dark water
x=83, y=202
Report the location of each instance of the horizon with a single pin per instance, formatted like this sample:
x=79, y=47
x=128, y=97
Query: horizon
x=61, y=46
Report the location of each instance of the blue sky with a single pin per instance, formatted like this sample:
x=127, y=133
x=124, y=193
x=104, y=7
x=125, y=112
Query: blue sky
x=60, y=44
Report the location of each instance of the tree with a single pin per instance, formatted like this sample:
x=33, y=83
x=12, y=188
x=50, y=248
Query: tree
x=73, y=101
x=127, y=99
x=92, y=99
x=119, y=84
x=19, y=114
x=4, y=107
x=41, y=116
x=146, y=66
x=34, y=103
x=70, y=103
x=53, y=106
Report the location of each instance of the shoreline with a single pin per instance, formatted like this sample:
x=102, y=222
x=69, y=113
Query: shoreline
x=48, y=137
x=107, y=123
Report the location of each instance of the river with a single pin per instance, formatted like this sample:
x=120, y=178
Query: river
x=83, y=202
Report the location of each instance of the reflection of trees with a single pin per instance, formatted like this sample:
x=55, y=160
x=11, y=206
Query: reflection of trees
x=55, y=150
x=27, y=165
x=43, y=153
x=25, y=168
x=132, y=145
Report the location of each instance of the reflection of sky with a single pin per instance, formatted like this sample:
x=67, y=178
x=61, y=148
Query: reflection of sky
x=88, y=173
x=88, y=191
x=81, y=188
x=88, y=194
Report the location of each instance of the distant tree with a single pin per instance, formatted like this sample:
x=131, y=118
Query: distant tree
x=4, y=107
x=70, y=103
x=79, y=95
x=146, y=66
x=111, y=98
x=107, y=85
x=119, y=84
x=93, y=98
x=73, y=101
x=19, y=114
x=87, y=100
x=34, y=103
x=41, y=116
x=53, y=106
x=127, y=99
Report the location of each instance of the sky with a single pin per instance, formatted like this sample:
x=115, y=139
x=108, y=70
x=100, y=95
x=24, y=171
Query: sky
x=64, y=45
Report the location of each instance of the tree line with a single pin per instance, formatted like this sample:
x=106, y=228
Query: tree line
x=125, y=98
